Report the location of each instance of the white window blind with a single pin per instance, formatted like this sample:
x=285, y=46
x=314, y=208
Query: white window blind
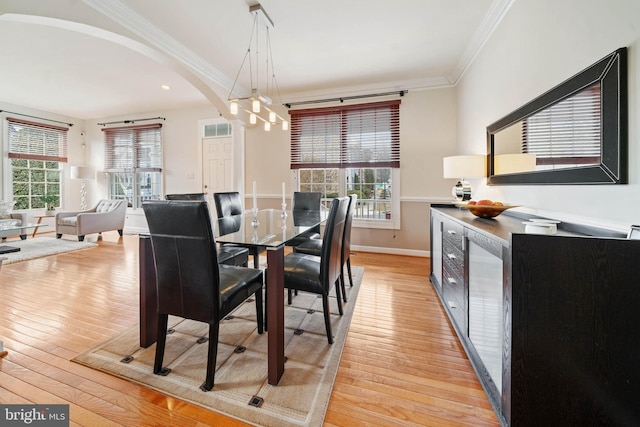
x=133, y=148
x=37, y=141
x=364, y=135
x=568, y=132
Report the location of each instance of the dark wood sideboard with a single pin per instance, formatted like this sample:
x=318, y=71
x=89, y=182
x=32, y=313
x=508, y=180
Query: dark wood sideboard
x=549, y=322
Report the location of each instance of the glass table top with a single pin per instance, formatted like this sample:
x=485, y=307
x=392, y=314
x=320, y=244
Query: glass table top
x=11, y=225
x=272, y=228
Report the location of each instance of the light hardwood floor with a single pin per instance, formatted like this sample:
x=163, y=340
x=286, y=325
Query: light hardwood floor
x=401, y=366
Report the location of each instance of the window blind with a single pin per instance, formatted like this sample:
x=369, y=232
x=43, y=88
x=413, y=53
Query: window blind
x=363, y=135
x=133, y=148
x=568, y=132
x=37, y=141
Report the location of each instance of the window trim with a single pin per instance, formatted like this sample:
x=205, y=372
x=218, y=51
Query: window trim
x=392, y=224
x=133, y=166
x=7, y=169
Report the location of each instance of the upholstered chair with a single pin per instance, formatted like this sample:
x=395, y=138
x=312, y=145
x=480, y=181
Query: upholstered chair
x=318, y=274
x=10, y=218
x=186, y=196
x=228, y=207
x=105, y=216
x=230, y=255
x=314, y=246
x=305, y=201
x=190, y=282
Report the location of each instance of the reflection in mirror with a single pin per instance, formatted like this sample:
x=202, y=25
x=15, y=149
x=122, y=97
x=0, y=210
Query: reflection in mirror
x=564, y=135
x=575, y=133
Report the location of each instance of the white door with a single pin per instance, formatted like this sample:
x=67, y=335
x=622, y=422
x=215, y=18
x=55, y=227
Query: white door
x=217, y=165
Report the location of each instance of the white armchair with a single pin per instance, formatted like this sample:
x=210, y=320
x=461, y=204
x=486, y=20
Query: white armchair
x=12, y=218
x=107, y=215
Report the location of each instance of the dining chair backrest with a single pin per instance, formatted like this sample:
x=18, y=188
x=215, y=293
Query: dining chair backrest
x=186, y=196
x=228, y=203
x=331, y=255
x=346, y=240
x=187, y=271
x=307, y=201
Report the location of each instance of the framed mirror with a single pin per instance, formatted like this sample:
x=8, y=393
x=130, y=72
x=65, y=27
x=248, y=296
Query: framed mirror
x=576, y=133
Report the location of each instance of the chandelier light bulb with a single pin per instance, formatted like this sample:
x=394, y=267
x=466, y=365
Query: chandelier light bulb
x=252, y=119
x=233, y=107
x=267, y=126
x=272, y=116
x=285, y=125
x=255, y=106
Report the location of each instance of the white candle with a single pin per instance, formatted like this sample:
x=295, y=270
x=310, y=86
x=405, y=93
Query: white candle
x=283, y=194
x=255, y=200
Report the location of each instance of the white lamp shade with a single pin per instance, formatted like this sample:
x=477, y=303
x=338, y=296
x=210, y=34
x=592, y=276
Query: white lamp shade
x=514, y=163
x=469, y=166
x=82, y=172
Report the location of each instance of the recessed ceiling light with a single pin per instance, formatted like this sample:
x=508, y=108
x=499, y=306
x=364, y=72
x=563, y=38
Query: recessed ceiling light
x=165, y=87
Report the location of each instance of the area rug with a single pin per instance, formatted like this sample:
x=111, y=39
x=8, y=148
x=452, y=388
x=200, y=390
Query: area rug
x=301, y=397
x=41, y=247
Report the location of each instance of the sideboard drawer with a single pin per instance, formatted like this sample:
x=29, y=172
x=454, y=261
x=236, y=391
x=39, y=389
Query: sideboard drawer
x=452, y=232
x=452, y=258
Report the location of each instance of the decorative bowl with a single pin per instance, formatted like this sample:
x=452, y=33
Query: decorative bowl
x=486, y=211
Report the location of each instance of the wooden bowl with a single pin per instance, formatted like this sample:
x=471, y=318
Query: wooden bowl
x=486, y=211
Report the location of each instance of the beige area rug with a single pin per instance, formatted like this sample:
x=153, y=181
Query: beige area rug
x=301, y=397
x=40, y=247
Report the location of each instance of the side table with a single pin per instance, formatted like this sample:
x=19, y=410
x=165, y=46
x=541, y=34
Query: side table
x=39, y=217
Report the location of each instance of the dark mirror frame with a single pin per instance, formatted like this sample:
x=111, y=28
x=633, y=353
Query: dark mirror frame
x=611, y=72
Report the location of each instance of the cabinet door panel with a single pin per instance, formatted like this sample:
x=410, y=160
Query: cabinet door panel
x=485, y=309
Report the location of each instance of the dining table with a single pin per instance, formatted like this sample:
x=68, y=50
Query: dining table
x=268, y=229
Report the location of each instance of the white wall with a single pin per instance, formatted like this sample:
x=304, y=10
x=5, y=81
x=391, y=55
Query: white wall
x=427, y=133
x=539, y=44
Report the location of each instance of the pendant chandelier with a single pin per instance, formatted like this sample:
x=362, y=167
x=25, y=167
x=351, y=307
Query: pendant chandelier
x=258, y=104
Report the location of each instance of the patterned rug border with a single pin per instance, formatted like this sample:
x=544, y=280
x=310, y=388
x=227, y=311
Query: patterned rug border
x=227, y=401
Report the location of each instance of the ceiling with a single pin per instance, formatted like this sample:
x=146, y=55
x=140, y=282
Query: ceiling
x=92, y=59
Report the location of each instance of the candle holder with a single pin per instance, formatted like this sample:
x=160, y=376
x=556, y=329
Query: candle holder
x=284, y=215
x=254, y=222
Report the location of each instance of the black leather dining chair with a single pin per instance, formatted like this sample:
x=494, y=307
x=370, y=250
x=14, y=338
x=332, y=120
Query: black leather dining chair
x=186, y=196
x=305, y=201
x=228, y=205
x=314, y=246
x=190, y=282
x=230, y=255
x=318, y=274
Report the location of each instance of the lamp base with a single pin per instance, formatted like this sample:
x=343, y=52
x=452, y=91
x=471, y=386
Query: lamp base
x=461, y=191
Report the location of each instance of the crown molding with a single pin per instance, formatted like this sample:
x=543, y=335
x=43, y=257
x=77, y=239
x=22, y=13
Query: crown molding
x=132, y=21
x=496, y=13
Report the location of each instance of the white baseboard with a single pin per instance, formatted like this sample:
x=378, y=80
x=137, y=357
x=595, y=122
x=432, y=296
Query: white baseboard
x=373, y=249
x=392, y=251
x=135, y=230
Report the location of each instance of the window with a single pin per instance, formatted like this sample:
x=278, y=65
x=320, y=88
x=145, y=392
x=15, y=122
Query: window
x=217, y=129
x=350, y=149
x=567, y=133
x=133, y=161
x=36, y=152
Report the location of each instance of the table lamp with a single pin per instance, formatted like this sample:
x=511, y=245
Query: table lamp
x=83, y=173
x=459, y=167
